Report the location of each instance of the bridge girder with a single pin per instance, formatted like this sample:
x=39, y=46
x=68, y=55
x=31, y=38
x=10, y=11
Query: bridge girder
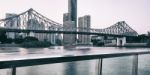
x=32, y=20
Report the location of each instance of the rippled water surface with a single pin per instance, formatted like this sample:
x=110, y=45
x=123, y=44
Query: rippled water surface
x=111, y=66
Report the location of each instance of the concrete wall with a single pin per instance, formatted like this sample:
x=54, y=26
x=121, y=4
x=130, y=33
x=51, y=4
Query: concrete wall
x=121, y=41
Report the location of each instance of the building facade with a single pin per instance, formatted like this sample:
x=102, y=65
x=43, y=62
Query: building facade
x=66, y=17
x=12, y=23
x=68, y=39
x=84, y=24
x=35, y=25
x=72, y=9
x=52, y=36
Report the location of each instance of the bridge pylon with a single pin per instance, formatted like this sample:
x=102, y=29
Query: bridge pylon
x=121, y=41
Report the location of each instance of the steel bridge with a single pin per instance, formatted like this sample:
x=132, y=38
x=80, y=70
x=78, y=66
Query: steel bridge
x=32, y=21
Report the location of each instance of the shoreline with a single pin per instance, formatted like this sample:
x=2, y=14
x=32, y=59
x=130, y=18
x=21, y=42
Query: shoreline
x=10, y=45
x=127, y=46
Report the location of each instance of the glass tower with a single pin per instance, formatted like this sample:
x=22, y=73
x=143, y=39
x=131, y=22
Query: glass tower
x=72, y=9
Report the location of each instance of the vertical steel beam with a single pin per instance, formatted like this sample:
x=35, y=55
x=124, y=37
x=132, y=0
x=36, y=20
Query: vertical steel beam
x=100, y=63
x=13, y=72
x=135, y=65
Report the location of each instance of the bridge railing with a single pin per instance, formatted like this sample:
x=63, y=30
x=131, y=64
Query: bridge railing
x=21, y=62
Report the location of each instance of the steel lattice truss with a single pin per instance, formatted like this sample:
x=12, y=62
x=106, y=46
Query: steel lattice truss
x=29, y=20
x=120, y=28
x=32, y=20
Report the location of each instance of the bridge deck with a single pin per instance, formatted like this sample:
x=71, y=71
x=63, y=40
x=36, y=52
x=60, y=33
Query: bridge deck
x=65, y=32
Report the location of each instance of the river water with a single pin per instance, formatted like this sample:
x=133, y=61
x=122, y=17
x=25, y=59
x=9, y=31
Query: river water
x=111, y=66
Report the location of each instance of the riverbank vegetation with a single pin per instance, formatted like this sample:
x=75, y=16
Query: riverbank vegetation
x=27, y=42
x=35, y=44
x=148, y=41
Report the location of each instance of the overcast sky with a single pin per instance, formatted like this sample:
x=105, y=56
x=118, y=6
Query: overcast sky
x=104, y=13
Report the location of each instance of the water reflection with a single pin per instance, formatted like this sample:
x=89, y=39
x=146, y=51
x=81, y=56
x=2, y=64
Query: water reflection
x=111, y=66
x=80, y=68
x=70, y=68
x=117, y=66
x=144, y=64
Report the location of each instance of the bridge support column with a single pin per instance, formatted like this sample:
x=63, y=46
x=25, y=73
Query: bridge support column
x=121, y=41
x=31, y=34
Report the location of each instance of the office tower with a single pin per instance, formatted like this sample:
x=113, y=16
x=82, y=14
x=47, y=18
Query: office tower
x=66, y=17
x=84, y=26
x=70, y=22
x=72, y=9
x=12, y=23
x=68, y=39
x=34, y=24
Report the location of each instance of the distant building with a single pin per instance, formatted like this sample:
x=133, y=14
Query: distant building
x=69, y=39
x=84, y=24
x=52, y=36
x=72, y=9
x=35, y=25
x=12, y=23
x=66, y=17
x=68, y=25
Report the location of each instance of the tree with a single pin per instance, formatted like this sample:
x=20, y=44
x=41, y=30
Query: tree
x=58, y=42
x=148, y=39
x=18, y=40
x=9, y=40
x=3, y=36
x=30, y=38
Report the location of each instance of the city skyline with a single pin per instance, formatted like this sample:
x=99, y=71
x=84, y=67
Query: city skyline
x=103, y=13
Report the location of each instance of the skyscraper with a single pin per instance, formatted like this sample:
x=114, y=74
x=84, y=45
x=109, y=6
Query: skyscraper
x=84, y=25
x=72, y=9
x=70, y=22
x=68, y=39
x=66, y=17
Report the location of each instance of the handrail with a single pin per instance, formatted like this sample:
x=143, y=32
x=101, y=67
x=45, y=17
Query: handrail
x=21, y=62
x=66, y=58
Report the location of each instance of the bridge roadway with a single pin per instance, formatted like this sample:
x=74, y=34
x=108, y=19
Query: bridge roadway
x=63, y=32
x=22, y=57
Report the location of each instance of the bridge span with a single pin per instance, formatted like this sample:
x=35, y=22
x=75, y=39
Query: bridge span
x=32, y=21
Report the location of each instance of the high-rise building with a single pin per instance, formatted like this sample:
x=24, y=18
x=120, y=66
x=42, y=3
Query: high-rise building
x=68, y=39
x=84, y=24
x=70, y=22
x=66, y=17
x=33, y=24
x=12, y=23
x=72, y=9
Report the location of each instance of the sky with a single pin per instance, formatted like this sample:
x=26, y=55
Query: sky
x=104, y=13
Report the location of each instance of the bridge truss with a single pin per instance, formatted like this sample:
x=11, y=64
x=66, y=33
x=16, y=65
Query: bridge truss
x=32, y=20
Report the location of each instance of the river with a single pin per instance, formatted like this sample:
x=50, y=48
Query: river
x=111, y=66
